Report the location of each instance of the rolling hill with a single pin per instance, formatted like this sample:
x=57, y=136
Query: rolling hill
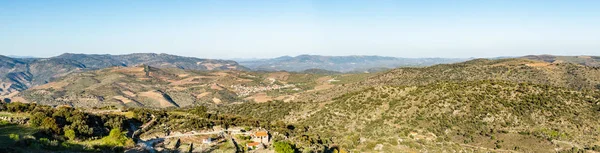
x=19, y=74
x=169, y=87
x=498, y=116
x=575, y=76
x=482, y=105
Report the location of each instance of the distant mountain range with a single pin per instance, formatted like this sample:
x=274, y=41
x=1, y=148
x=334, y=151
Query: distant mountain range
x=16, y=56
x=341, y=63
x=18, y=74
x=593, y=61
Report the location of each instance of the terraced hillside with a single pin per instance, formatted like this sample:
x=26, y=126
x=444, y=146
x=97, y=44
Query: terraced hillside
x=170, y=87
x=20, y=74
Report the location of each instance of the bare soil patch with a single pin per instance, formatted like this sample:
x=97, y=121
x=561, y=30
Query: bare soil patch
x=157, y=96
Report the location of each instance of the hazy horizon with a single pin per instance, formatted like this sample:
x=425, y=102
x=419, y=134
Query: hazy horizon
x=269, y=29
x=255, y=58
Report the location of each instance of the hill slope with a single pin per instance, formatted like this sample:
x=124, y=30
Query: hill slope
x=168, y=87
x=151, y=59
x=19, y=74
x=453, y=115
x=569, y=75
x=505, y=105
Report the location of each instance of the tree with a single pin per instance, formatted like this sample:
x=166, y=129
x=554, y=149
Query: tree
x=200, y=111
x=16, y=107
x=50, y=123
x=339, y=150
x=147, y=70
x=70, y=133
x=283, y=147
x=37, y=118
x=113, y=122
x=117, y=138
x=2, y=106
x=79, y=123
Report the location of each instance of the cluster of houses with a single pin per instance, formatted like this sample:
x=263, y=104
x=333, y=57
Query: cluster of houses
x=260, y=139
x=243, y=91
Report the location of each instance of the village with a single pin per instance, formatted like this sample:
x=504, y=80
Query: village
x=243, y=91
x=234, y=139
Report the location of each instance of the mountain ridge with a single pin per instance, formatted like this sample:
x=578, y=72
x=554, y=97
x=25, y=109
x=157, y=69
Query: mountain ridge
x=340, y=63
x=19, y=74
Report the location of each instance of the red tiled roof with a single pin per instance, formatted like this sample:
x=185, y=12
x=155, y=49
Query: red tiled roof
x=252, y=144
x=261, y=133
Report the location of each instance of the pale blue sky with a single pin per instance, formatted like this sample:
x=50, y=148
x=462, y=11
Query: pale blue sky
x=246, y=29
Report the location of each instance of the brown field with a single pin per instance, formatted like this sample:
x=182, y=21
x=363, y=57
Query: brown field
x=280, y=76
x=216, y=100
x=202, y=95
x=211, y=66
x=260, y=97
x=125, y=100
x=55, y=85
x=157, y=96
x=215, y=87
x=540, y=64
x=323, y=83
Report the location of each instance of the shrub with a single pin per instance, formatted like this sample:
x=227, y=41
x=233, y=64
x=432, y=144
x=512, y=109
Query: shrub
x=14, y=137
x=116, y=138
x=70, y=134
x=283, y=147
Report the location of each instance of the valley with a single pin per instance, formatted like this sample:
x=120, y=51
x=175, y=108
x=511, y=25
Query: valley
x=481, y=105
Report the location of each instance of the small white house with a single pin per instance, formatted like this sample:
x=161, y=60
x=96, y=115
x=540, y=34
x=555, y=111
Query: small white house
x=207, y=140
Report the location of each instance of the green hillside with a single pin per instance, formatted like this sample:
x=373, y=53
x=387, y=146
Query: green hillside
x=461, y=115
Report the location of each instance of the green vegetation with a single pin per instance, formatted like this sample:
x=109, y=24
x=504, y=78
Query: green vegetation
x=116, y=138
x=44, y=129
x=283, y=147
x=437, y=112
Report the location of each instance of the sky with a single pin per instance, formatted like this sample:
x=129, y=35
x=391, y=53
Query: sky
x=264, y=29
